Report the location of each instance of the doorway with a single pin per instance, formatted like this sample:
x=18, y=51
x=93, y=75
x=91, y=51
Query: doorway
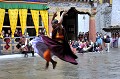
x=70, y=23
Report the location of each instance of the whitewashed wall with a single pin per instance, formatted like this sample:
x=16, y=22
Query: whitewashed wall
x=103, y=17
x=83, y=23
x=115, y=20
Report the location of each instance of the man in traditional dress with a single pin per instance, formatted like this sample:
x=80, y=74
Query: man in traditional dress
x=57, y=45
x=24, y=45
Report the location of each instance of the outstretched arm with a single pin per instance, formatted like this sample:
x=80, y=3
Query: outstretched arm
x=61, y=18
x=54, y=15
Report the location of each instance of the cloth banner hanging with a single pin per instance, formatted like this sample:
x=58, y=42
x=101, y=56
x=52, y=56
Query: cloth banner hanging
x=13, y=16
x=23, y=17
x=2, y=14
x=35, y=17
x=44, y=15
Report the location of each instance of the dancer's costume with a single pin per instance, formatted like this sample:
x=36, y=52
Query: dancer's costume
x=59, y=48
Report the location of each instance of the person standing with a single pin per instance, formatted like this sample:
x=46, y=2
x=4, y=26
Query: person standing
x=99, y=42
x=107, y=42
x=24, y=48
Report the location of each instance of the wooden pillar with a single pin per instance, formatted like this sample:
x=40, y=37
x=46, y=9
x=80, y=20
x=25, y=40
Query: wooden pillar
x=92, y=29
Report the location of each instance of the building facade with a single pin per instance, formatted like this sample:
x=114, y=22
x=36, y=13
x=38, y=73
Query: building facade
x=20, y=18
x=97, y=11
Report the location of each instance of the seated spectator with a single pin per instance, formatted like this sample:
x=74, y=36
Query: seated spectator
x=20, y=33
x=85, y=47
x=75, y=44
x=9, y=33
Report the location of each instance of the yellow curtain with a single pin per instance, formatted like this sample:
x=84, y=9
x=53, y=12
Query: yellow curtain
x=44, y=15
x=101, y=1
x=2, y=14
x=110, y=1
x=35, y=17
x=13, y=15
x=23, y=17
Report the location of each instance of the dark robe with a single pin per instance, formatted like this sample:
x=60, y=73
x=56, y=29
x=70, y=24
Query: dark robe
x=61, y=49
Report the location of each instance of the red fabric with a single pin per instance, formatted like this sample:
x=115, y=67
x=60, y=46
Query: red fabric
x=6, y=46
x=7, y=40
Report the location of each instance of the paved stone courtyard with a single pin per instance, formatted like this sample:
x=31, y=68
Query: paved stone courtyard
x=91, y=65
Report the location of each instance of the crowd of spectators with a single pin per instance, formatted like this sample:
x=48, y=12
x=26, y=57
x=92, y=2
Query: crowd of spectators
x=82, y=44
x=103, y=42
x=18, y=33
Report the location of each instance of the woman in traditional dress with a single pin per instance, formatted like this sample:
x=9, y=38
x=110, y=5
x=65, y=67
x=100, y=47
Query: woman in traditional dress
x=57, y=45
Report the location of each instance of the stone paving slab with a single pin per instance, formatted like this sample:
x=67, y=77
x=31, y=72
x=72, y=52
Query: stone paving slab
x=92, y=65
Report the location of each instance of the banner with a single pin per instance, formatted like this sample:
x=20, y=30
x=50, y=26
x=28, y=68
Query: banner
x=44, y=15
x=2, y=14
x=23, y=18
x=13, y=17
x=35, y=17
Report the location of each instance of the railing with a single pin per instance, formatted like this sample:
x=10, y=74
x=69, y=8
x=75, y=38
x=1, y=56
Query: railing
x=8, y=45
